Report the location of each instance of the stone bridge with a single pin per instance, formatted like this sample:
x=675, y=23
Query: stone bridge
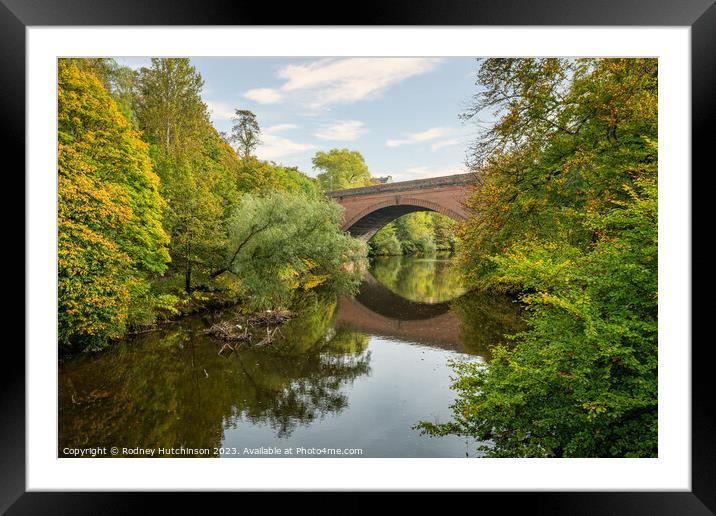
x=369, y=208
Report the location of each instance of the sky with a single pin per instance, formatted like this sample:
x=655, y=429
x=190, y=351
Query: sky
x=401, y=114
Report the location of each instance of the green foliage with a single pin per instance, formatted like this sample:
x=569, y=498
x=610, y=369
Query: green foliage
x=424, y=233
x=385, y=242
x=582, y=381
x=110, y=237
x=256, y=176
x=194, y=217
x=197, y=168
x=168, y=104
x=284, y=241
x=340, y=169
x=572, y=133
x=566, y=216
x=443, y=232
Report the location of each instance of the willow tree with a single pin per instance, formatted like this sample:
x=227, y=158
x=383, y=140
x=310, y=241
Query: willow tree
x=110, y=236
x=282, y=241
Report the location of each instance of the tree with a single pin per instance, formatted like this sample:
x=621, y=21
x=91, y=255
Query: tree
x=256, y=176
x=443, y=232
x=422, y=232
x=415, y=233
x=385, y=242
x=565, y=217
x=281, y=241
x=245, y=132
x=110, y=236
x=119, y=81
x=195, y=217
x=168, y=103
x=197, y=168
x=341, y=168
x=561, y=147
x=582, y=380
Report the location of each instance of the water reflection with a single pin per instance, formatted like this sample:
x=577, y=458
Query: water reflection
x=422, y=279
x=171, y=388
x=355, y=372
x=392, y=303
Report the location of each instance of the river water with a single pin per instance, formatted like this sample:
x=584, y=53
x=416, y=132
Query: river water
x=349, y=376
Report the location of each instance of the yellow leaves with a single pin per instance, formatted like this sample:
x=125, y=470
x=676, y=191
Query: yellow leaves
x=313, y=281
x=109, y=210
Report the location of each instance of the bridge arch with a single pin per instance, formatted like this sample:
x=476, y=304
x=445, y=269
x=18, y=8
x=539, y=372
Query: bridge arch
x=368, y=221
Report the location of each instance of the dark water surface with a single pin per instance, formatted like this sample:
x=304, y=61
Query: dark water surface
x=352, y=374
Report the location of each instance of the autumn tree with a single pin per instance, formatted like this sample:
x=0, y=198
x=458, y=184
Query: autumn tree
x=570, y=135
x=111, y=242
x=119, y=81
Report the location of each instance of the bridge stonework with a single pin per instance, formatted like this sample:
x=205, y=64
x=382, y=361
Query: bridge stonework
x=369, y=208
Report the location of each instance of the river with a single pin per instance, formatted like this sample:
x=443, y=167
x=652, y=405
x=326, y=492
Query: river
x=349, y=376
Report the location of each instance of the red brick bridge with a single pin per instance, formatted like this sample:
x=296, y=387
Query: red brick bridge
x=369, y=208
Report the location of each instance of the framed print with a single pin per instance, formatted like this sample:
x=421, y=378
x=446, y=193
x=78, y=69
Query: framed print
x=422, y=249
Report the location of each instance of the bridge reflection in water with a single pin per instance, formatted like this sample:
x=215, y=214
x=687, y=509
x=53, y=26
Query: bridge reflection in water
x=423, y=301
x=377, y=310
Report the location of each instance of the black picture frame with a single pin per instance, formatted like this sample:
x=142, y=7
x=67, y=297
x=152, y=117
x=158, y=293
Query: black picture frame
x=699, y=15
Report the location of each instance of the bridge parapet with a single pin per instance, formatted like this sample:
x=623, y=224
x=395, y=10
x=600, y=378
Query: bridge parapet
x=402, y=186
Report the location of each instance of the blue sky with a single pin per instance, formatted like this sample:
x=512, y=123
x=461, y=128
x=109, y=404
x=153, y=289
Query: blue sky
x=400, y=113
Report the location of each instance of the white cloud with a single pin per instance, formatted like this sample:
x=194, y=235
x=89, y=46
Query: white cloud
x=280, y=127
x=445, y=143
x=430, y=134
x=343, y=131
x=220, y=110
x=342, y=80
x=274, y=147
x=264, y=95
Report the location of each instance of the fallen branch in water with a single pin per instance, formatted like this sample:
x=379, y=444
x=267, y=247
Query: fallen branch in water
x=225, y=347
x=269, y=335
x=229, y=331
x=233, y=331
